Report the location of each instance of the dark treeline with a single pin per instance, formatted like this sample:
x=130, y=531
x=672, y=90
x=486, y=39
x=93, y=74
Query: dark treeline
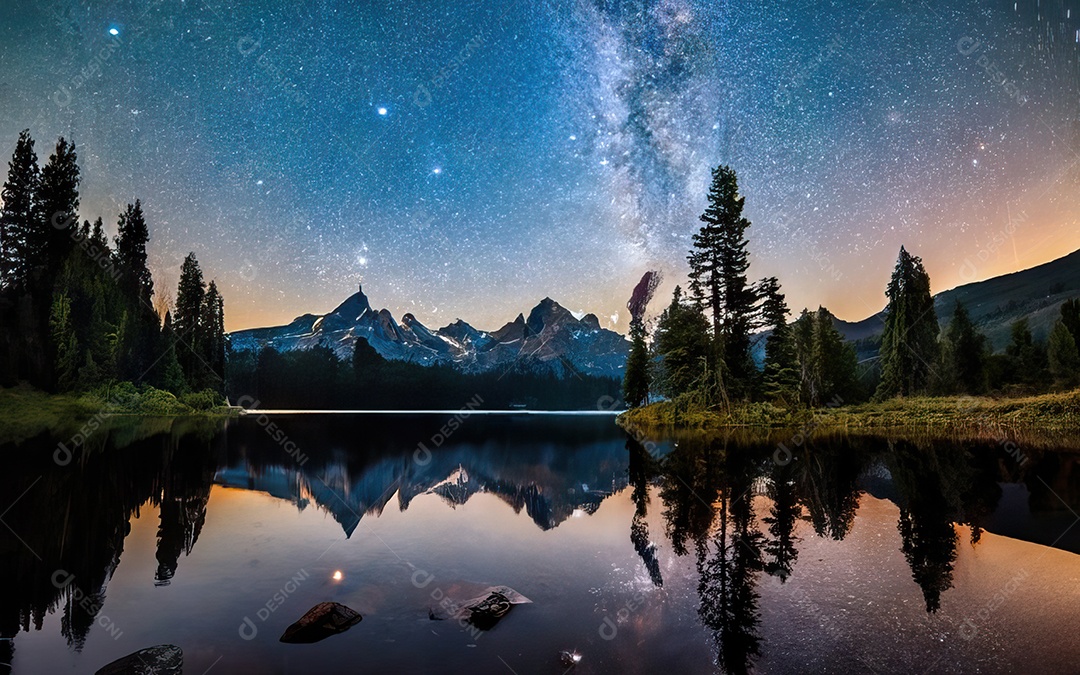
x=317, y=379
x=76, y=313
x=702, y=343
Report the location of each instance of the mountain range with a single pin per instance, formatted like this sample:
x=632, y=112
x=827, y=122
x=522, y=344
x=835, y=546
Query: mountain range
x=550, y=340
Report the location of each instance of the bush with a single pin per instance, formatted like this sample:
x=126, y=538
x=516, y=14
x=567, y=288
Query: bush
x=158, y=402
x=123, y=395
x=207, y=399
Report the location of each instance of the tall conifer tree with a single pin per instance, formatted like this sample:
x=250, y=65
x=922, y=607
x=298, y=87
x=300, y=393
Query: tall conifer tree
x=58, y=205
x=188, y=321
x=718, y=266
x=18, y=218
x=136, y=286
x=909, y=346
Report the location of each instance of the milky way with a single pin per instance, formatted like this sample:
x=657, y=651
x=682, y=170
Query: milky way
x=466, y=159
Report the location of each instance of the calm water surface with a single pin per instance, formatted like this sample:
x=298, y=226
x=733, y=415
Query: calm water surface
x=705, y=555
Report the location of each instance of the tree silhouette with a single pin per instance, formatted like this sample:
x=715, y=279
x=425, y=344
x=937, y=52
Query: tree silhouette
x=909, y=347
x=718, y=282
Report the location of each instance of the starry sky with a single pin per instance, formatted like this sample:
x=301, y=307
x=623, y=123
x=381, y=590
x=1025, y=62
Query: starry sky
x=467, y=158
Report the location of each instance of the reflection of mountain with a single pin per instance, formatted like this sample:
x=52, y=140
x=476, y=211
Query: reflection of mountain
x=349, y=492
x=74, y=519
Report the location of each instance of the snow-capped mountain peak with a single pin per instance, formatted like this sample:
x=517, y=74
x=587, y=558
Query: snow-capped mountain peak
x=551, y=339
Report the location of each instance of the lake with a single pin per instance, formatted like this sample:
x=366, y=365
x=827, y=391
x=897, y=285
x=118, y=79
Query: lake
x=690, y=554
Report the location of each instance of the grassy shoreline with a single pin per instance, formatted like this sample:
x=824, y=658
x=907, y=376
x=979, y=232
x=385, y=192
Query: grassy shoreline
x=1044, y=416
x=26, y=412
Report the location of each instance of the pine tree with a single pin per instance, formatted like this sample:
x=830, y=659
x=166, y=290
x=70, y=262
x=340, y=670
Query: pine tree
x=636, y=376
x=212, y=335
x=136, y=283
x=18, y=218
x=909, y=347
x=1070, y=316
x=172, y=376
x=58, y=204
x=964, y=355
x=827, y=364
x=65, y=347
x=187, y=322
x=780, y=378
x=837, y=363
x=1026, y=359
x=1063, y=355
x=802, y=340
x=718, y=266
x=136, y=288
x=681, y=342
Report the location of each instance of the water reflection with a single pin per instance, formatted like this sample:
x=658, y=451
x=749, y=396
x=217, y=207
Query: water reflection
x=708, y=487
x=726, y=502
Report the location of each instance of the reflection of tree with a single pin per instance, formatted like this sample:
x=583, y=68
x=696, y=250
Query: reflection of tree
x=708, y=500
x=1052, y=478
x=781, y=549
x=640, y=471
x=980, y=492
x=828, y=483
x=930, y=502
x=182, y=511
x=692, y=476
x=728, y=567
x=73, y=520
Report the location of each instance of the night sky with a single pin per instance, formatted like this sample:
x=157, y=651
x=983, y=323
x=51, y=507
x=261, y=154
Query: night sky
x=466, y=159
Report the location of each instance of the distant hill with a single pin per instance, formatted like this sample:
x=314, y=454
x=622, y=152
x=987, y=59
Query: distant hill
x=994, y=304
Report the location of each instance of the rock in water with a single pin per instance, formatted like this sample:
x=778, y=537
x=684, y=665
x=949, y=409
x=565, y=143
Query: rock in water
x=482, y=611
x=320, y=622
x=157, y=660
x=486, y=613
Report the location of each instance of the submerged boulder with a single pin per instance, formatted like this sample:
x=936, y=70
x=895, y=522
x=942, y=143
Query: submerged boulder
x=320, y=622
x=483, y=611
x=157, y=660
x=486, y=613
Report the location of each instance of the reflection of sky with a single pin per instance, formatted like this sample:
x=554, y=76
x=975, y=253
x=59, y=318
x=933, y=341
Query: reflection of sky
x=452, y=151
x=577, y=574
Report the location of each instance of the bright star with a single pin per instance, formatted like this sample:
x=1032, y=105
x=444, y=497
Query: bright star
x=382, y=111
x=436, y=171
x=114, y=31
